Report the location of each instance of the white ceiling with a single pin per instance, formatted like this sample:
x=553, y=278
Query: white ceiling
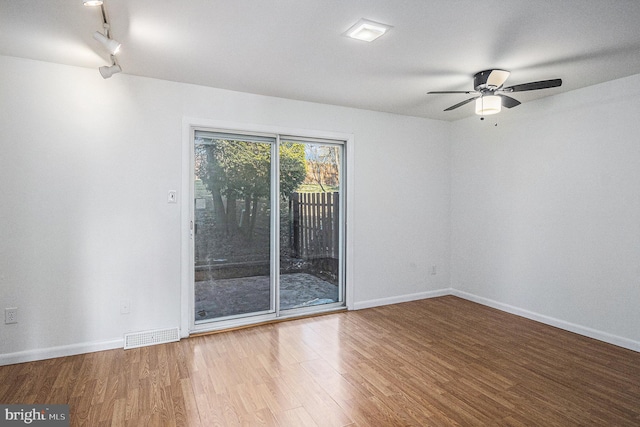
x=295, y=48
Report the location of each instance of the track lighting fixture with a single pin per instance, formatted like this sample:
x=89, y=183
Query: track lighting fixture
x=113, y=46
x=107, y=72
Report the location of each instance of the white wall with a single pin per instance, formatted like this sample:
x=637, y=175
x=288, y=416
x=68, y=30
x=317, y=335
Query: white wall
x=538, y=216
x=85, y=167
x=546, y=210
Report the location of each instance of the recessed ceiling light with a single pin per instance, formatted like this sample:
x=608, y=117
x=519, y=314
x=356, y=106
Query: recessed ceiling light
x=366, y=30
x=92, y=2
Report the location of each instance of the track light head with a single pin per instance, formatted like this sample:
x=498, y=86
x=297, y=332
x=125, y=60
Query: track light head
x=113, y=46
x=107, y=72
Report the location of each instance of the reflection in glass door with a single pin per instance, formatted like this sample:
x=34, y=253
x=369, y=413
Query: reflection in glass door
x=232, y=225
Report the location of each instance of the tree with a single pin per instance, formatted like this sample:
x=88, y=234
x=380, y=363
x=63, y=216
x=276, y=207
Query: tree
x=324, y=165
x=293, y=167
x=240, y=171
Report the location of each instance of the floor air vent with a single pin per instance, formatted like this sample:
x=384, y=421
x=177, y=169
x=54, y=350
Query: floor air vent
x=141, y=339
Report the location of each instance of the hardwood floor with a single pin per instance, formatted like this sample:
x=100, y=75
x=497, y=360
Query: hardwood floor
x=442, y=361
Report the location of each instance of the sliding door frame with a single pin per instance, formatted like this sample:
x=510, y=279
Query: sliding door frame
x=187, y=298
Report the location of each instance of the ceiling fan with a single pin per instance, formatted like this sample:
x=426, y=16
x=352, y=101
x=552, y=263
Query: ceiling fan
x=490, y=95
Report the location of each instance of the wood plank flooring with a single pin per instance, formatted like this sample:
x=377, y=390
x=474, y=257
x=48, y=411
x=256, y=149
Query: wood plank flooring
x=442, y=362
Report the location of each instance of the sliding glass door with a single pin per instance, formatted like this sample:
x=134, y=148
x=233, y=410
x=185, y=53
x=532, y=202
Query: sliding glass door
x=232, y=225
x=267, y=226
x=310, y=225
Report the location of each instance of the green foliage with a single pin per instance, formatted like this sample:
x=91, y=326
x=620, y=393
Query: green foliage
x=293, y=167
x=240, y=170
x=244, y=168
x=317, y=188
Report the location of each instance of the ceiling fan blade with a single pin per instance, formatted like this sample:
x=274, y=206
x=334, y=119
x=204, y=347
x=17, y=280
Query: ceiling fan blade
x=508, y=101
x=460, y=104
x=451, y=91
x=543, y=84
x=497, y=78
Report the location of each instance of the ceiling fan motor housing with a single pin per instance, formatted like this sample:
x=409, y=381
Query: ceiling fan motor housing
x=484, y=82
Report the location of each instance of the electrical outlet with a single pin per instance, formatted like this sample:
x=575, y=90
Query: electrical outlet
x=10, y=315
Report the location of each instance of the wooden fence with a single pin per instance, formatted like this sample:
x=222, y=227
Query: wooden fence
x=315, y=225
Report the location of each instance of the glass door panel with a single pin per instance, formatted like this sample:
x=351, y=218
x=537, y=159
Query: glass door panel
x=310, y=224
x=232, y=225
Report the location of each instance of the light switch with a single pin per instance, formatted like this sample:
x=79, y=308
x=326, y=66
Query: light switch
x=172, y=197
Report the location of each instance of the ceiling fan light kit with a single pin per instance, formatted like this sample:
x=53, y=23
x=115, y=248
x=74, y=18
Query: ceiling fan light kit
x=490, y=95
x=488, y=105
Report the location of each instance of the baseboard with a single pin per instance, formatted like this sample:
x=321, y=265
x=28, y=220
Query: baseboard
x=60, y=351
x=567, y=326
x=401, y=298
x=81, y=348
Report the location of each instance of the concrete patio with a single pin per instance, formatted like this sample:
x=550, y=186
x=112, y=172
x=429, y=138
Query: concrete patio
x=227, y=297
